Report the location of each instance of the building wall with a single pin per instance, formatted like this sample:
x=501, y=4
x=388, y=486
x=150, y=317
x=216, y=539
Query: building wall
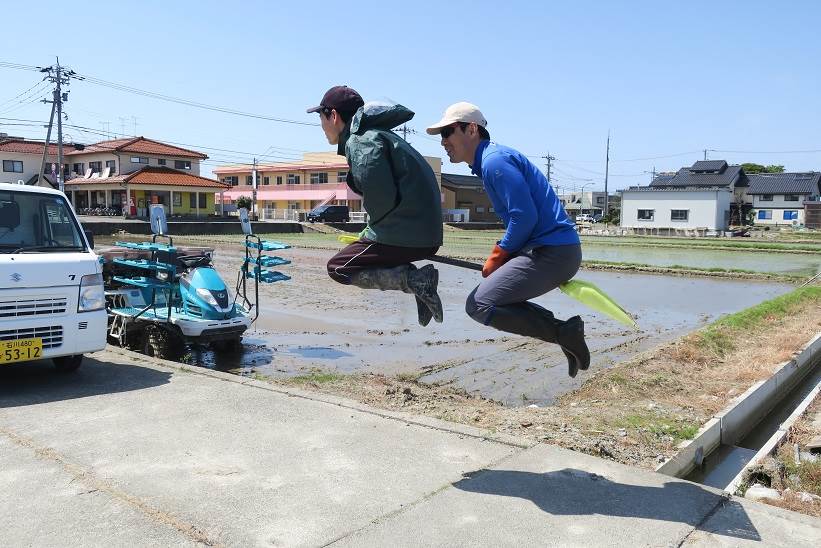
x=31, y=166
x=707, y=209
x=124, y=164
x=477, y=201
x=776, y=208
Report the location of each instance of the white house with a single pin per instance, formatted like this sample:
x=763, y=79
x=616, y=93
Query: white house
x=676, y=208
x=778, y=198
x=708, y=195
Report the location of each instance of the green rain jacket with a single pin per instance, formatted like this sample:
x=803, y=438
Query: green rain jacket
x=398, y=188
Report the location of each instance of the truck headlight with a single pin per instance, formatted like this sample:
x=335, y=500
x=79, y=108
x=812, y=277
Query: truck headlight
x=92, y=294
x=206, y=295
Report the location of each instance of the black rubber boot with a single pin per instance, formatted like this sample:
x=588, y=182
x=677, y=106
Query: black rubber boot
x=531, y=320
x=423, y=283
x=423, y=313
x=406, y=278
x=571, y=339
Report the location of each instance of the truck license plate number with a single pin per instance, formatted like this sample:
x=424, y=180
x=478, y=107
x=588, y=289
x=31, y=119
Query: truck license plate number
x=20, y=350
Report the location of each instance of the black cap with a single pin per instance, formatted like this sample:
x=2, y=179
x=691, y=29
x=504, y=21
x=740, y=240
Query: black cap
x=341, y=99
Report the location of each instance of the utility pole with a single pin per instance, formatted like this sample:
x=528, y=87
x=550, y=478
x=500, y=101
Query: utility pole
x=254, y=192
x=606, y=172
x=405, y=130
x=549, y=159
x=60, y=98
x=57, y=75
x=705, y=153
x=42, y=172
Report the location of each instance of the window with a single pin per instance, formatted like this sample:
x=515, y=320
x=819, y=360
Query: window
x=646, y=214
x=192, y=200
x=790, y=215
x=249, y=180
x=341, y=176
x=232, y=180
x=319, y=178
x=79, y=169
x=480, y=209
x=679, y=214
x=266, y=181
x=279, y=179
x=13, y=166
x=293, y=179
x=139, y=159
x=182, y=164
x=96, y=167
x=765, y=214
x=791, y=197
x=766, y=198
x=111, y=165
x=160, y=161
x=599, y=199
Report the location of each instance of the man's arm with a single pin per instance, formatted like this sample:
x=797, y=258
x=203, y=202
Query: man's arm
x=501, y=172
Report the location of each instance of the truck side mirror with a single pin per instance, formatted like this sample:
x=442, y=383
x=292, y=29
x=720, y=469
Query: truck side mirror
x=89, y=238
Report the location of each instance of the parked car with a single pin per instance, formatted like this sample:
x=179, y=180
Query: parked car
x=584, y=218
x=597, y=217
x=329, y=214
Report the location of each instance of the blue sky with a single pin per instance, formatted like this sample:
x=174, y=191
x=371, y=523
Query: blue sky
x=668, y=80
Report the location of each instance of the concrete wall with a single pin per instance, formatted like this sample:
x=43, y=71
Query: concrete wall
x=107, y=228
x=707, y=208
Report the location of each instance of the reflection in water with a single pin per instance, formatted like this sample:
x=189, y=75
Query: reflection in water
x=770, y=262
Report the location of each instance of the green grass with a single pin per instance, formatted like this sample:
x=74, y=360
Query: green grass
x=660, y=426
x=316, y=377
x=721, y=334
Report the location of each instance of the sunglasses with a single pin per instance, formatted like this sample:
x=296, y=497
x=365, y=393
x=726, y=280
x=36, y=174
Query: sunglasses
x=447, y=131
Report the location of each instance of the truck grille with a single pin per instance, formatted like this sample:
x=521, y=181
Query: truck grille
x=52, y=335
x=20, y=308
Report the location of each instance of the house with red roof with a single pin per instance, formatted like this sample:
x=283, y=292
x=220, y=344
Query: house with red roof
x=126, y=175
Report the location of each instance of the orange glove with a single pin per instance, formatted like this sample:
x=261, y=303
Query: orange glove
x=497, y=258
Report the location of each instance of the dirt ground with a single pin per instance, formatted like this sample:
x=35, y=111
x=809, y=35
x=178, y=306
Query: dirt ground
x=642, y=395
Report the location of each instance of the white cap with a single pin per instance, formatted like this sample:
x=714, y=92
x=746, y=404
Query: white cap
x=458, y=112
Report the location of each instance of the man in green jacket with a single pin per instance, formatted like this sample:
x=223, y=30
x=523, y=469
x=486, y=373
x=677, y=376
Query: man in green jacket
x=400, y=194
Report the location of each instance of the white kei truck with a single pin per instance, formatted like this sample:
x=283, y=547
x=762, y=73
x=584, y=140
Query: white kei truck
x=52, y=301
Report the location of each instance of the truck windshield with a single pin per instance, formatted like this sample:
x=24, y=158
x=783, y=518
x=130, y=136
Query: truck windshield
x=32, y=222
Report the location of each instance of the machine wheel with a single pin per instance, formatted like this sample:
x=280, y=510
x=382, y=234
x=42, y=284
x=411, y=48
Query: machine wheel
x=162, y=343
x=227, y=345
x=67, y=364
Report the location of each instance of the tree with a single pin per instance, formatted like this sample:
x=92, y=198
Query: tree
x=244, y=201
x=751, y=168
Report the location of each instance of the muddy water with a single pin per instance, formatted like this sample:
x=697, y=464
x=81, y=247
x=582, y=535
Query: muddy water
x=312, y=324
x=770, y=262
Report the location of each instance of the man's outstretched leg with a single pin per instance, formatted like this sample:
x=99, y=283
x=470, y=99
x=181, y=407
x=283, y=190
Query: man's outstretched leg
x=422, y=283
x=370, y=265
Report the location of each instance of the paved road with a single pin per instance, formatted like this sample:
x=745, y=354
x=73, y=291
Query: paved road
x=130, y=451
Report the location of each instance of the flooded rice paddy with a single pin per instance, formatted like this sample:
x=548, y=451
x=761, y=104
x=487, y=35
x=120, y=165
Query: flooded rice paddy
x=806, y=264
x=311, y=324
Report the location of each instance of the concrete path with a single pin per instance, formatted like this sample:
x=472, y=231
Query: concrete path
x=130, y=451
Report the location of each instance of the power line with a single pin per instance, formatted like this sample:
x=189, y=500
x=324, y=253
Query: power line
x=188, y=102
x=6, y=64
x=764, y=151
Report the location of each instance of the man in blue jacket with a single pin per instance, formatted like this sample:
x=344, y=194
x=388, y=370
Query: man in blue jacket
x=540, y=248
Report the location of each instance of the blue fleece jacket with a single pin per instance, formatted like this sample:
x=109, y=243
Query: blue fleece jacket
x=522, y=196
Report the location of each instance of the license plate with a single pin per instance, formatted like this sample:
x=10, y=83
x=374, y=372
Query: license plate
x=21, y=350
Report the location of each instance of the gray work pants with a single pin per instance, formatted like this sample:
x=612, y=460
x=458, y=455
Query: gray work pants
x=526, y=276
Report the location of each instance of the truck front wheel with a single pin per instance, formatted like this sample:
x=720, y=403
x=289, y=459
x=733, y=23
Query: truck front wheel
x=67, y=364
